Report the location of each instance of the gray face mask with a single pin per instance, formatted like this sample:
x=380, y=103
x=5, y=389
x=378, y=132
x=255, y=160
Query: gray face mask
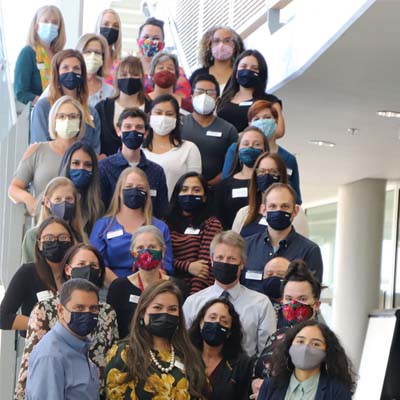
x=306, y=357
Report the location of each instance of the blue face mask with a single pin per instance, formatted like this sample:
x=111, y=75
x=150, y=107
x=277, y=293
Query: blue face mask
x=82, y=323
x=132, y=139
x=134, y=198
x=279, y=220
x=71, y=80
x=266, y=126
x=265, y=181
x=47, y=32
x=80, y=178
x=190, y=202
x=63, y=210
x=249, y=155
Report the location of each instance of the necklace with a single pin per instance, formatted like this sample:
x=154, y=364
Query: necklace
x=159, y=366
x=140, y=282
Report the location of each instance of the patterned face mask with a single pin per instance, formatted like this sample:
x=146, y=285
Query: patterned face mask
x=296, y=312
x=150, y=47
x=146, y=259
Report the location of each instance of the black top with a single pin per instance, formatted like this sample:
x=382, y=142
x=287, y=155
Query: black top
x=198, y=72
x=231, y=195
x=231, y=379
x=257, y=226
x=123, y=296
x=236, y=114
x=110, y=142
x=20, y=293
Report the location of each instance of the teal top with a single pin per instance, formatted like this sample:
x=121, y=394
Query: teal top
x=306, y=390
x=27, y=81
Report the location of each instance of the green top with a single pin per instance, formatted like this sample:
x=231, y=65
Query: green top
x=27, y=81
x=306, y=390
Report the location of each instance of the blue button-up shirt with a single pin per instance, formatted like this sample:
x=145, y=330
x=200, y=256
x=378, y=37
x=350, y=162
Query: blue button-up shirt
x=59, y=368
x=110, y=169
x=294, y=246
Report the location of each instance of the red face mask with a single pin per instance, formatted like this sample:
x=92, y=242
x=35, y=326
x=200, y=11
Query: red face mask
x=296, y=312
x=164, y=79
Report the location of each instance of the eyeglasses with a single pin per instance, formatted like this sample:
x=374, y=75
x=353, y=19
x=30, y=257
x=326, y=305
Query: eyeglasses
x=211, y=92
x=62, y=237
x=217, y=41
x=264, y=171
x=63, y=116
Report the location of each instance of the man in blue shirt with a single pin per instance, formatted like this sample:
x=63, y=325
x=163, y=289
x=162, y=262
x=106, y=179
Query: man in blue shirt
x=131, y=128
x=59, y=367
x=279, y=239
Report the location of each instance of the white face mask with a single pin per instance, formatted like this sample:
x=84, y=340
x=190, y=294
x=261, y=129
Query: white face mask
x=203, y=104
x=162, y=125
x=93, y=62
x=67, y=128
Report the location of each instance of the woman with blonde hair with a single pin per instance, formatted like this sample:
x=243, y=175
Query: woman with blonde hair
x=68, y=77
x=46, y=37
x=96, y=54
x=130, y=208
x=41, y=161
x=61, y=200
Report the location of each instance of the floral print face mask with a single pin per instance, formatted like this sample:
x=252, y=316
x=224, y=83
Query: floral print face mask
x=146, y=259
x=296, y=312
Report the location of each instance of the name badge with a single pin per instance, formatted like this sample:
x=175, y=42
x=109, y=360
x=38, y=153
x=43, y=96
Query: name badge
x=44, y=295
x=179, y=365
x=40, y=66
x=289, y=171
x=133, y=298
x=114, y=234
x=191, y=231
x=239, y=192
x=153, y=192
x=254, y=275
x=246, y=103
x=214, y=134
x=263, y=221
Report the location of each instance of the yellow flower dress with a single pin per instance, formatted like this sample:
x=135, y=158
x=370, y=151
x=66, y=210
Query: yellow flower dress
x=159, y=386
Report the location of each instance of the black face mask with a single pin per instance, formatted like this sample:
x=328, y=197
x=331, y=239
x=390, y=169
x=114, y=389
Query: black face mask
x=134, y=198
x=163, y=325
x=224, y=272
x=54, y=251
x=272, y=287
x=265, y=181
x=111, y=34
x=214, y=334
x=132, y=139
x=130, y=86
x=190, y=202
x=71, y=80
x=248, y=78
x=87, y=272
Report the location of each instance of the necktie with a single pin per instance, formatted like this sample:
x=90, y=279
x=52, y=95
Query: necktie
x=225, y=294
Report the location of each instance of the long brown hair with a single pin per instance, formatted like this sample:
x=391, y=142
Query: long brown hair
x=140, y=342
x=255, y=196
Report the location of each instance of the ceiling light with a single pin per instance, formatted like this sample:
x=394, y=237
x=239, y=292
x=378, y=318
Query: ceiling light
x=321, y=143
x=353, y=131
x=389, y=114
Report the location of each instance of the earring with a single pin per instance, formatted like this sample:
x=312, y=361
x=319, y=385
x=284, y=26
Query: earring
x=141, y=322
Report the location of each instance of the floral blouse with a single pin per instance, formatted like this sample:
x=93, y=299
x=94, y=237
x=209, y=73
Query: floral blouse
x=44, y=317
x=159, y=386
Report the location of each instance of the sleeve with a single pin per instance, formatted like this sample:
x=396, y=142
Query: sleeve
x=13, y=298
x=266, y=324
x=183, y=86
x=294, y=179
x=23, y=75
x=264, y=393
x=188, y=311
x=97, y=239
x=228, y=161
x=26, y=168
x=314, y=261
x=181, y=265
x=244, y=374
x=193, y=159
x=232, y=135
x=40, y=121
x=168, y=258
x=115, y=373
x=28, y=246
x=97, y=130
x=45, y=379
x=161, y=200
x=113, y=324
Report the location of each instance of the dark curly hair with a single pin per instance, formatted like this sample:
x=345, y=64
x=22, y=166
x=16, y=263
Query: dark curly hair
x=336, y=364
x=233, y=345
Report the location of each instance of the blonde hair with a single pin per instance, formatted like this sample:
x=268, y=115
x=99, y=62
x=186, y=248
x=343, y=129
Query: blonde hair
x=116, y=47
x=51, y=187
x=115, y=205
x=33, y=38
x=53, y=115
x=85, y=39
x=230, y=238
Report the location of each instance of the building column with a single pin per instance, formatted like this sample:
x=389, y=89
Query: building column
x=359, y=235
x=72, y=11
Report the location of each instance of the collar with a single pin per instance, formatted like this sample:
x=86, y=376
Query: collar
x=234, y=292
x=121, y=161
x=284, y=242
x=80, y=345
x=307, y=385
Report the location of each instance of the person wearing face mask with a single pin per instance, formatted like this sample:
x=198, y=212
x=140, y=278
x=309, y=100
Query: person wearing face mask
x=129, y=93
x=150, y=42
x=228, y=255
x=79, y=164
x=68, y=77
x=211, y=134
x=247, y=84
x=157, y=360
x=279, y=238
x=232, y=193
x=148, y=250
x=217, y=333
x=59, y=365
x=164, y=145
x=46, y=37
x=310, y=363
x=130, y=208
x=41, y=161
x=192, y=227
x=96, y=55
x=60, y=199
x=84, y=262
x=131, y=129
x=40, y=279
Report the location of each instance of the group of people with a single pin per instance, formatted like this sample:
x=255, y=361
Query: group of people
x=167, y=259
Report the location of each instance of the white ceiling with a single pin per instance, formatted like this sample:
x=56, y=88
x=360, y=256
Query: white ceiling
x=357, y=76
